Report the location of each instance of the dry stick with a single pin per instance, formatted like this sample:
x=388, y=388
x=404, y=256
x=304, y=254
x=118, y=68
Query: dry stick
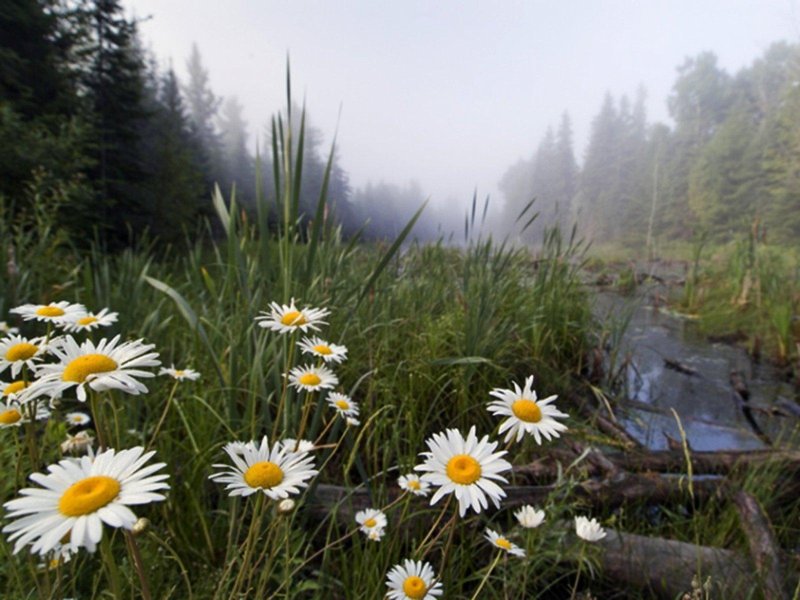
x=763, y=547
x=486, y=577
x=434, y=528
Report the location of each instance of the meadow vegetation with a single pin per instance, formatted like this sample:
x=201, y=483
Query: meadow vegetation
x=430, y=331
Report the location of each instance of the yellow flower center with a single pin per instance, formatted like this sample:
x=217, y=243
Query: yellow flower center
x=21, y=351
x=414, y=587
x=263, y=475
x=343, y=404
x=309, y=379
x=293, y=318
x=49, y=311
x=179, y=373
x=13, y=388
x=527, y=410
x=89, y=364
x=323, y=349
x=464, y=469
x=88, y=495
x=370, y=522
x=10, y=416
x=87, y=320
x=413, y=484
x=503, y=543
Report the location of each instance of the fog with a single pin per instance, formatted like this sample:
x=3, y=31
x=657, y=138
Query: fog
x=450, y=95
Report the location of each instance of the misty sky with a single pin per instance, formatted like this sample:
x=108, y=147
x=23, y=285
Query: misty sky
x=451, y=93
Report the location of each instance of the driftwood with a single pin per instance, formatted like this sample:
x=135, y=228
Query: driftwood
x=679, y=367
x=666, y=567
x=665, y=461
x=764, y=549
x=610, y=492
x=743, y=400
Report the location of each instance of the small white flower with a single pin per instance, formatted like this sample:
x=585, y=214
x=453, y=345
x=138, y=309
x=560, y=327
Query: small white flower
x=17, y=352
x=273, y=471
x=526, y=414
x=90, y=321
x=413, y=484
x=343, y=404
x=60, y=314
x=77, y=418
x=105, y=366
x=80, y=443
x=312, y=379
x=376, y=534
x=13, y=389
x=589, y=529
x=351, y=422
x=293, y=445
x=412, y=580
x=370, y=519
x=5, y=329
x=324, y=350
x=288, y=318
x=466, y=467
x=529, y=517
x=77, y=496
x=502, y=542
x=286, y=506
x=14, y=414
x=180, y=374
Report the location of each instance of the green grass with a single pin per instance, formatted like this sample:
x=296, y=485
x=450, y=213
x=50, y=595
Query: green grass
x=430, y=331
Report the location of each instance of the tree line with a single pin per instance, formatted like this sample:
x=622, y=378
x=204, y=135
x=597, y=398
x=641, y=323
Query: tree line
x=731, y=156
x=111, y=145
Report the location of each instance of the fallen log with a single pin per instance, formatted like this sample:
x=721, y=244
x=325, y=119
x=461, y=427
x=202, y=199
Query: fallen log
x=764, y=549
x=718, y=462
x=614, y=491
x=666, y=567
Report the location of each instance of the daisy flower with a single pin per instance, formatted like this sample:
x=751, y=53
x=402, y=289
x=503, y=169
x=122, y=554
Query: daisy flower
x=274, y=471
x=77, y=419
x=293, y=445
x=370, y=519
x=324, y=350
x=529, y=517
x=500, y=541
x=79, y=443
x=11, y=390
x=105, y=366
x=311, y=378
x=526, y=414
x=412, y=580
x=413, y=484
x=467, y=468
x=6, y=329
x=589, y=529
x=61, y=314
x=17, y=352
x=343, y=404
x=79, y=495
x=180, y=374
x=90, y=321
x=286, y=319
x=352, y=422
x=14, y=414
x=376, y=534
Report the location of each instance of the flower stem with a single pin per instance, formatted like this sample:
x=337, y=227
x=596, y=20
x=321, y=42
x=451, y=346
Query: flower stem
x=136, y=557
x=486, y=577
x=163, y=416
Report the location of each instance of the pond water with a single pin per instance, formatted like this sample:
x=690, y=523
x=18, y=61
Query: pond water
x=709, y=409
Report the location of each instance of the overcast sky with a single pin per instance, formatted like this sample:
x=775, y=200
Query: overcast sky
x=451, y=93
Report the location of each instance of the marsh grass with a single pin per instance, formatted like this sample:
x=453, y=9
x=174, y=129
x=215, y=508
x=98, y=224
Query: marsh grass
x=430, y=329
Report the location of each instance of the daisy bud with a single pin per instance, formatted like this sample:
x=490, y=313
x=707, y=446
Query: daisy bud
x=286, y=506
